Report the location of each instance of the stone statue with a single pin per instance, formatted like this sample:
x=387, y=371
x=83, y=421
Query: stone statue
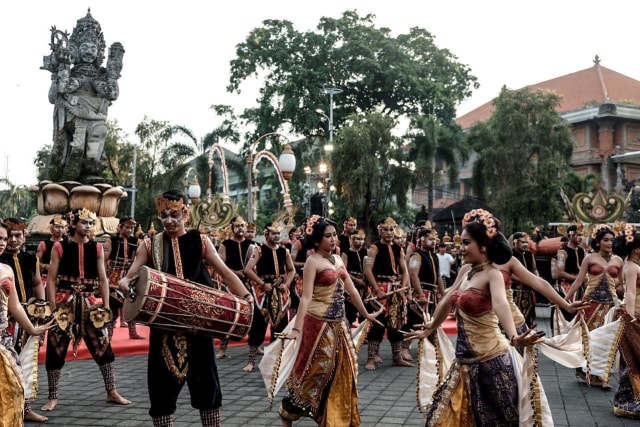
x=82, y=91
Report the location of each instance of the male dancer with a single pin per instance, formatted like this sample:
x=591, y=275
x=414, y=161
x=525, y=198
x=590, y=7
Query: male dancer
x=75, y=272
x=522, y=294
x=57, y=228
x=386, y=274
x=119, y=252
x=568, y=260
x=271, y=270
x=425, y=279
x=353, y=260
x=26, y=272
x=234, y=253
x=349, y=226
x=179, y=357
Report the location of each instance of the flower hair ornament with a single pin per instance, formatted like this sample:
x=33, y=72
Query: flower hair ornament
x=600, y=227
x=629, y=233
x=310, y=223
x=482, y=217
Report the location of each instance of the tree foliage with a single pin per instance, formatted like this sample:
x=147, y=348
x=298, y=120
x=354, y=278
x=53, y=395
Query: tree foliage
x=523, y=151
x=396, y=76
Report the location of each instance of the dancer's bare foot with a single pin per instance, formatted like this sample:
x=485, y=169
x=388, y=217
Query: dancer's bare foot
x=371, y=365
x=606, y=386
x=402, y=362
x=50, y=405
x=136, y=337
x=114, y=397
x=35, y=417
x=406, y=355
x=377, y=360
x=221, y=354
x=249, y=367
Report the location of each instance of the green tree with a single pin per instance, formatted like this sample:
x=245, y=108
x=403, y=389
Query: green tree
x=367, y=181
x=523, y=150
x=16, y=201
x=397, y=76
x=431, y=141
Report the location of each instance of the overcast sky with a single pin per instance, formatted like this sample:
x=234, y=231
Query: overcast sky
x=177, y=56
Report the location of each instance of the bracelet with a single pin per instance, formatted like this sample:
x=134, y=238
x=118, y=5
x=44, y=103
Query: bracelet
x=295, y=329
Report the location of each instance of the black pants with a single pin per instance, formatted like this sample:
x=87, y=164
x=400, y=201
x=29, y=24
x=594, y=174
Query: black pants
x=199, y=371
x=259, y=325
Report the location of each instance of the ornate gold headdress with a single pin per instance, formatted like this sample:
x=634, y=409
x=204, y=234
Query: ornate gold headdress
x=85, y=213
x=238, y=221
x=162, y=204
x=251, y=226
x=310, y=223
x=58, y=220
x=388, y=222
x=351, y=221
x=274, y=227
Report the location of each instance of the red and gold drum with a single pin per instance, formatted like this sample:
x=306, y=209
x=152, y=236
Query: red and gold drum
x=165, y=301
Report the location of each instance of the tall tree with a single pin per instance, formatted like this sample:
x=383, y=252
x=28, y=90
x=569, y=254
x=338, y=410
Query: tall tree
x=433, y=140
x=523, y=151
x=369, y=165
x=397, y=76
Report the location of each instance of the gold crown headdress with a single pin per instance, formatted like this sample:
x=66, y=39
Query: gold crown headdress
x=162, y=204
x=482, y=217
x=274, y=227
x=351, y=221
x=59, y=220
x=251, y=226
x=85, y=213
x=388, y=222
x=238, y=221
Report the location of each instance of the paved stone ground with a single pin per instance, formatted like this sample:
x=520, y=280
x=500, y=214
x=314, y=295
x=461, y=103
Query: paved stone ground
x=387, y=395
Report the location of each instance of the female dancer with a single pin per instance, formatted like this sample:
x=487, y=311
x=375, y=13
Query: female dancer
x=625, y=403
x=599, y=273
x=327, y=358
x=13, y=408
x=481, y=386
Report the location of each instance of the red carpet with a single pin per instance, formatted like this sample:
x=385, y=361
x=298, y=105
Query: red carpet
x=123, y=346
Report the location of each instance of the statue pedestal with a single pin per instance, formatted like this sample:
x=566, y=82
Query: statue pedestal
x=60, y=198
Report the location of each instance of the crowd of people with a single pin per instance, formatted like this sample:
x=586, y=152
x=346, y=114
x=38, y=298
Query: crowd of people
x=318, y=283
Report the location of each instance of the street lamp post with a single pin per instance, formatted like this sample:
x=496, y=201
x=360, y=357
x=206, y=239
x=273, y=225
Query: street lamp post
x=284, y=166
x=331, y=91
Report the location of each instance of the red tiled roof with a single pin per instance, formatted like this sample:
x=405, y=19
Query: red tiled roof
x=580, y=89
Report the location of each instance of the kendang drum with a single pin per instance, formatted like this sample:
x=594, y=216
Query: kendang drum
x=165, y=301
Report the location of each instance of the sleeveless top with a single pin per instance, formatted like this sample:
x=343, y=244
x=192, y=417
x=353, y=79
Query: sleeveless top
x=272, y=261
x=25, y=265
x=574, y=259
x=354, y=261
x=386, y=261
x=601, y=284
x=429, y=267
x=236, y=253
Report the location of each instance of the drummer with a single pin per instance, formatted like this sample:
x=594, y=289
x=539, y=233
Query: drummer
x=119, y=252
x=179, y=357
x=271, y=270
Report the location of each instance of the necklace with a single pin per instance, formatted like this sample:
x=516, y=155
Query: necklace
x=327, y=255
x=476, y=268
x=606, y=257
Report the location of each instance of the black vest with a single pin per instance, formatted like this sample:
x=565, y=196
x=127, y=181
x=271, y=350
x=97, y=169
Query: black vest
x=28, y=264
x=266, y=265
x=574, y=259
x=386, y=262
x=428, y=266
x=236, y=253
